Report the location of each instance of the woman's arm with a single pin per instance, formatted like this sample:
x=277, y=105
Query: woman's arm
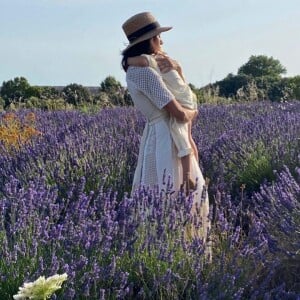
x=150, y=83
x=180, y=113
x=138, y=61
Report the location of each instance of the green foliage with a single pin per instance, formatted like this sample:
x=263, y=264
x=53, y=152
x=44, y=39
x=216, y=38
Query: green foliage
x=274, y=89
x=102, y=100
x=280, y=90
x=127, y=98
x=117, y=95
x=47, y=92
x=15, y=90
x=2, y=103
x=18, y=91
x=198, y=92
x=33, y=91
x=255, y=168
x=229, y=86
x=261, y=65
x=294, y=84
x=76, y=94
x=210, y=95
x=244, y=87
x=47, y=104
x=248, y=92
x=258, y=79
x=110, y=85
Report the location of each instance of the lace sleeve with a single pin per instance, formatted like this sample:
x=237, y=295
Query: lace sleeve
x=150, y=83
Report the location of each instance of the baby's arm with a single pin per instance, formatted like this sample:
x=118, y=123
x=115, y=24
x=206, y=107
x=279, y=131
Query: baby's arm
x=166, y=64
x=138, y=61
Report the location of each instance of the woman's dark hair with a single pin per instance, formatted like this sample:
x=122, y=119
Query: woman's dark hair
x=143, y=47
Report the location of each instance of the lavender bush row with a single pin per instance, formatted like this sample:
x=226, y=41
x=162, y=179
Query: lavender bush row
x=102, y=147
x=278, y=206
x=63, y=209
x=238, y=144
x=245, y=143
x=138, y=247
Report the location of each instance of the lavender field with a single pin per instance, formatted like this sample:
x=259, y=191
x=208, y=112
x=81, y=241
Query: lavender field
x=65, y=206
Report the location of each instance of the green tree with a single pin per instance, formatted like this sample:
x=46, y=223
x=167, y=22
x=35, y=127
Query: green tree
x=2, y=103
x=110, y=85
x=229, y=86
x=294, y=84
x=33, y=91
x=274, y=89
x=281, y=90
x=49, y=93
x=18, y=90
x=76, y=94
x=116, y=93
x=15, y=90
x=261, y=65
x=258, y=79
x=127, y=98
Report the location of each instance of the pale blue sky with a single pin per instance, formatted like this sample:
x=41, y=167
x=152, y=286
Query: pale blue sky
x=57, y=42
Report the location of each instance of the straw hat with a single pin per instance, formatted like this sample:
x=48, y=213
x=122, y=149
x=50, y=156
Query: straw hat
x=141, y=27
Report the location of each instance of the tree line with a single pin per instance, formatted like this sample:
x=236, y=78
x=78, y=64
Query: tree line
x=260, y=78
x=18, y=93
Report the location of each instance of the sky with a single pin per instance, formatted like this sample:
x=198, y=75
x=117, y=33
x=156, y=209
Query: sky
x=58, y=42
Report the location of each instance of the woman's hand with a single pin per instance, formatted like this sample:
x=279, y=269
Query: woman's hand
x=166, y=64
x=180, y=113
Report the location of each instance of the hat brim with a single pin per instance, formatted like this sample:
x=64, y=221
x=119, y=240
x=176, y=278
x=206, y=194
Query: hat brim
x=147, y=36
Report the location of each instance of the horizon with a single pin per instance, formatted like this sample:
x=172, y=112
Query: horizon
x=58, y=42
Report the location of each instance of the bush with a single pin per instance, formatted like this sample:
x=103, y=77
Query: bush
x=76, y=94
x=14, y=91
x=229, y=86
x=274, y=89
x=294, y=84
x=49, y=93
x=254, y=168
x=2, y=103
x=117, y=95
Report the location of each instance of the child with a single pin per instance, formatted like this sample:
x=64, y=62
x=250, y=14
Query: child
x=181, y=132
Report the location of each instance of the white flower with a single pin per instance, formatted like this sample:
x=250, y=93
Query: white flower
x=42, y=288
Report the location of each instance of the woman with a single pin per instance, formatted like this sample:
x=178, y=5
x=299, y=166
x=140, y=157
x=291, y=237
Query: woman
x=157, y=155
x=181, y=132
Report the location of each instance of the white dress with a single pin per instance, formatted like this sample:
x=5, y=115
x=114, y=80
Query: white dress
x=157, y=152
